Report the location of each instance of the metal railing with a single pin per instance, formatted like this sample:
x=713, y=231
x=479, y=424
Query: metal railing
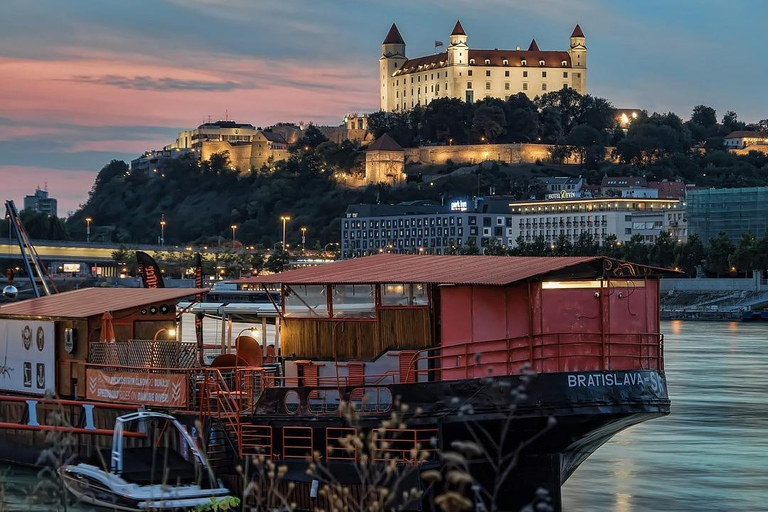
x=144, y=353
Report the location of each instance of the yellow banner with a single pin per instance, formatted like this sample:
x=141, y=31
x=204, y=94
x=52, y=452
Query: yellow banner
x=157, y=389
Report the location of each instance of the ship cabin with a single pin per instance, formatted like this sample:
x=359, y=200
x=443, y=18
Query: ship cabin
x=400, y=319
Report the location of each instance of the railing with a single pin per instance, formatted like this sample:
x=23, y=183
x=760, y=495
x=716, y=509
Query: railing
x=404, y=444
x=144, y=353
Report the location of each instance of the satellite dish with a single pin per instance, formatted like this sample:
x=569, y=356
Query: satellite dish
x=10, y=292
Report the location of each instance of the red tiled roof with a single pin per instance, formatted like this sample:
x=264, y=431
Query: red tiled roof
x=458, y=30
x=577, y=32
x=411, y=65
x=413, y=268
x=552, y=59
x=393, y=36
x=739, y=134
x=533, y=47
x=87, y=302
x=385, y=143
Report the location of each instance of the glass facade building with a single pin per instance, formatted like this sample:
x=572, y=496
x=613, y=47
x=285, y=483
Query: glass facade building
x=732, y=210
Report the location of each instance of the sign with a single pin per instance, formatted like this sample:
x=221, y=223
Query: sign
x=459, y=206
x=27, y=356
x=156, y=389
x=563, y=195
x=71, y=267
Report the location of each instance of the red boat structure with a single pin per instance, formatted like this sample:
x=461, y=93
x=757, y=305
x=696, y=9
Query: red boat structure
x=535, y=361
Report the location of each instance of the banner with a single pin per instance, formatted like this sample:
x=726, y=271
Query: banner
x=199, y=298
x=27, y=356
x=149, y=271
x=156, y=389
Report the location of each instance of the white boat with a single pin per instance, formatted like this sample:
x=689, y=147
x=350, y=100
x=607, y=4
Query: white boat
x=152, y=476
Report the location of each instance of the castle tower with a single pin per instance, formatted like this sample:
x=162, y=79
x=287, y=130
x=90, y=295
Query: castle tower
x=458, y=50
x=392, y=59
x=578, y=53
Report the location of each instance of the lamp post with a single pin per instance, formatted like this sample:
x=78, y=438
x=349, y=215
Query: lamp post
x=284, y=219
x=88, y=229
x=303, y=239
x=162, y=230
x=234, y=233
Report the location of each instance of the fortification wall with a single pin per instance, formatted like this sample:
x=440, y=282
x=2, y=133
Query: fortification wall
x=239, y=155
x=761, y=148
x=476, y=153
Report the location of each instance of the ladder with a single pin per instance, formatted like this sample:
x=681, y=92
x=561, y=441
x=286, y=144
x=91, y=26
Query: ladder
x=29, y=257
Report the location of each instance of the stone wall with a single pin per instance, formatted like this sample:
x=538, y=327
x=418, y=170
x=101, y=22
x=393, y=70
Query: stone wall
x=760, y=148
x=476, y=153
x=384, y=167
x=239, y=155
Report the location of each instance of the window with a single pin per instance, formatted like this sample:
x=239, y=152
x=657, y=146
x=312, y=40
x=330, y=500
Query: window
x=505, y=62
x=543, y=74
x=404, y=295
x=487, y=72
x=487, y=86
x=525, y=74
x=506, y=86
x=354, y=301
x=543, y=87
x=308, y=301
x=506, y=73
x=469, y=85
x=541, y=63
x=565, y=86
x=523, y=62
x=487, y=61
x=469, y=72
x=564, y=63
x=471, y=61
x=525, y=86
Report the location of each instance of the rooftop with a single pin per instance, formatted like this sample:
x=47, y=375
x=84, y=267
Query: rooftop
x=87, y=302
x=740, y=134
x=413, y=268
x=385, y=143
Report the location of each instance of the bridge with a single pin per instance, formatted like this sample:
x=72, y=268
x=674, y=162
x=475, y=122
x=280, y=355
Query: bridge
x=84, y=252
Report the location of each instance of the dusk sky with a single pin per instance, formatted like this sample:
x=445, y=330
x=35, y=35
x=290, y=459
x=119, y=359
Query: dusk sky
x=83, y=82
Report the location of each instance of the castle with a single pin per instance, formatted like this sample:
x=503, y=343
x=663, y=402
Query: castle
x=470, y=75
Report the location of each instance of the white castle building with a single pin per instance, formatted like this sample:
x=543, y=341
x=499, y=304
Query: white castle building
x=468, y=74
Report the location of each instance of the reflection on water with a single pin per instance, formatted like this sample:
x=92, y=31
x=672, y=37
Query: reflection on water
x=711, y=453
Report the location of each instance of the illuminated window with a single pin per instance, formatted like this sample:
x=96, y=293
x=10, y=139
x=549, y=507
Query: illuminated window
x=404, y=295
x=306, y=301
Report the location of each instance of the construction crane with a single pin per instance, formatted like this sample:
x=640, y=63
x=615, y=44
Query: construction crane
x=29, y=257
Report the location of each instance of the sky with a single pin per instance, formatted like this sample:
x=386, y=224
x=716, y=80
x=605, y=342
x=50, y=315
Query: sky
x=83, y=82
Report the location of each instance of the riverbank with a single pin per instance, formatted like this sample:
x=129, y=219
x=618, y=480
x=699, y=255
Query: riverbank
x=723, y=299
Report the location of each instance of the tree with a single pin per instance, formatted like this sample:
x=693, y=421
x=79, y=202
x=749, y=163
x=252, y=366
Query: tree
x=586, y=245
x=489, y=122
x=446, y=119
x=718, y=252
x=662, y=252
x=522, y=119
x=744, y=255
x=635, y=250
x=582, y=139
x=563, y=246
x=704, y=116
x=550, y=126
x=278, y=260
x=471, y=247
x=494, y=248
x=688, y=256
x=611, y=247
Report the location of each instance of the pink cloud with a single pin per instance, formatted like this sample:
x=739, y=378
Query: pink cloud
x=120, y=146
x=70, y=188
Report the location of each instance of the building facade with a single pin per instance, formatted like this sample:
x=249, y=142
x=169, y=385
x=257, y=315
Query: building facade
x=468, y=74
x=219, y=131
x=41, y=202
x=744, y=138
x=433, y=228
x=734, y=211
x=153, y=162
x=385, y=162
x=265, y=147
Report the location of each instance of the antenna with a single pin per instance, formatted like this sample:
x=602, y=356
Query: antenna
x=226, y=114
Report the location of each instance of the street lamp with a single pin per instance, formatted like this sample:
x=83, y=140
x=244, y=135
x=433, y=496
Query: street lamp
x=303, y=239
x=284, y=219
x=88, y=229
x=162, y=230
x=234, y=233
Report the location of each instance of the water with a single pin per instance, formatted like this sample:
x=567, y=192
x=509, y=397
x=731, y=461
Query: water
x=710, y=454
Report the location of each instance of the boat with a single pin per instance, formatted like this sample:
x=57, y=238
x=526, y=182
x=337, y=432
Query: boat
x=536, y=361
x=145, y=477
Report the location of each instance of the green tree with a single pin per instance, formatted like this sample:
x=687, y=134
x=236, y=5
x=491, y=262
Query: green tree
x=662, y=252
x=719, y=251
x=611, y=247
x=688, y=256
x=494, y=248
x=744, y=255
x=278, y=260
x=563, y=246
x=586, y=245
x=582, y=139
x=470, y=249
x=635, y=250
x=522, y=119
x=489, y=122
x=447, y=120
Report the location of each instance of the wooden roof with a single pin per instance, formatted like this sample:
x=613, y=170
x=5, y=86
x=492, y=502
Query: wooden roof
x=88, y=302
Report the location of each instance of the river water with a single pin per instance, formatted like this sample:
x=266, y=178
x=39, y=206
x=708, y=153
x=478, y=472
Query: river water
x=710, y=454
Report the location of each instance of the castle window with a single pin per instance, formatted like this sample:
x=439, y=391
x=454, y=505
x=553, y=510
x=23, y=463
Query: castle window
x=525, y=74
x=565, y=86
x=541, y=63
x=564, y=63
x=471, y=61
x=505, y=62
x=506, y=86
x=411, y=79
x=543, y=74
x=487, y=86
x=469, y=85
x=432, y=88
x=432, y=76
x=543, y=87
x=506, y=73
x=565, y=74
x=487, y=61
x=469, y=72
x=437, y=88
x=395, y=64
x=487, y=72
x=523, y=62
x=525, y=86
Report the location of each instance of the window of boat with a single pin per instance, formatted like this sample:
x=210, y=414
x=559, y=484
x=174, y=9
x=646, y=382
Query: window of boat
x=404, y=295
x=354, y=301
x=324, y=401
x=292, y=402
x=306, y=301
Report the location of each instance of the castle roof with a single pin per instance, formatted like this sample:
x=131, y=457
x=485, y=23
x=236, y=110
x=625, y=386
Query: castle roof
x=514, y=58
x=533, y=46
x=577, y=32
x=385, y=143
x=393, y=36
x=458, y=30
x=274, y=137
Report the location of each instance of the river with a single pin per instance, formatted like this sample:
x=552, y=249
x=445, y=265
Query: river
x=710, y=454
